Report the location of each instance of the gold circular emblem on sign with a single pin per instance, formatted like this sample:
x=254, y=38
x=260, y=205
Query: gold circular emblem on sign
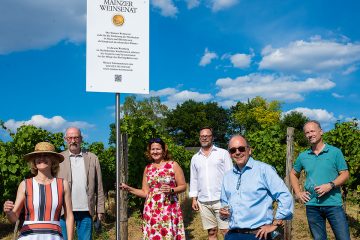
x=118, y=20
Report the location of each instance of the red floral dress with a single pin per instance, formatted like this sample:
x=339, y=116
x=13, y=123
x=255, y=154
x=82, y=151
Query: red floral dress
x=162, y=213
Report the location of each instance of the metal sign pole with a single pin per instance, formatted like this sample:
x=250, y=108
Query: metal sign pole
x=118, y=158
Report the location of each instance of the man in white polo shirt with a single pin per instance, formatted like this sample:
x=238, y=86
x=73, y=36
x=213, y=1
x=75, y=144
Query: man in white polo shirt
x=206, y=174
x=82, y=170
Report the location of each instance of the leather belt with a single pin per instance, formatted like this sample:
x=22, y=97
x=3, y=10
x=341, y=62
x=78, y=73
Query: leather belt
x=210, y=202
x=244, y=230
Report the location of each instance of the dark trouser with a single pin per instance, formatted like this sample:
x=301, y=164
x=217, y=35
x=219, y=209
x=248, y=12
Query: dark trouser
x=243, y=234
x=317, y=216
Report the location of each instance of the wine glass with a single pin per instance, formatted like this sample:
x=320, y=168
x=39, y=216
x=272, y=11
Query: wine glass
x=226, y=207
x=311, y=188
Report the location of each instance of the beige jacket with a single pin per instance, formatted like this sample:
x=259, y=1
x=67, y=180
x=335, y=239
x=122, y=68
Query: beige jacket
x=94, y=188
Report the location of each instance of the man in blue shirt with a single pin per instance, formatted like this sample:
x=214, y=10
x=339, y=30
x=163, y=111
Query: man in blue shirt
x=248, y=192
x=326, y=171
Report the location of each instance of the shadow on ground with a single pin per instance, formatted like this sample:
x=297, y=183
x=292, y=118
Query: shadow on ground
x=188, y=217
x=355, y=225
x=5, y=229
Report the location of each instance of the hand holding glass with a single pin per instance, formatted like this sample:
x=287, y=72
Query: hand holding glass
x=165, y=184
x=312, y=185
x=225, y=212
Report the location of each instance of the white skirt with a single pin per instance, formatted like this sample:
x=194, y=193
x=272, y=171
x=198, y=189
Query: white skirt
x=41, y=230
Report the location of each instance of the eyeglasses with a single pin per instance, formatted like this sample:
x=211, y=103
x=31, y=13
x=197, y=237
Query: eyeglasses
x=73, y=138
x=241, y=149
x=205, y=136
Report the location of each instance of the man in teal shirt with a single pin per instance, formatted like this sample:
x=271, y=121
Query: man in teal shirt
x=326, y=170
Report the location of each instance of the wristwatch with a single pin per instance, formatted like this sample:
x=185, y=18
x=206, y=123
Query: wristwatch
x=332, y=185
x=172, y=190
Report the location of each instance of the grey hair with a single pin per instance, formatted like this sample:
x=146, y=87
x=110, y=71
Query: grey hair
x=313, y=121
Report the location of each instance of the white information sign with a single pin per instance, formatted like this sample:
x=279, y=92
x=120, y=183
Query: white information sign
x=117, y=46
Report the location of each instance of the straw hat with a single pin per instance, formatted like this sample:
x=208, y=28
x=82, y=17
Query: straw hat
x=44, y=147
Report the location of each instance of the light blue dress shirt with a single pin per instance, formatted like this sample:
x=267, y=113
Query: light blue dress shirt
x=250, y=193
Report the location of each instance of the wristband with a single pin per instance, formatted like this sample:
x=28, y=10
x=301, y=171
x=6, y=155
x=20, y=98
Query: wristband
x=172, y=190
x=332, y=185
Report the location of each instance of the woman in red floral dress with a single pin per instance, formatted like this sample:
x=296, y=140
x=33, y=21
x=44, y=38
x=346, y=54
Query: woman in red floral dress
x=162, y=180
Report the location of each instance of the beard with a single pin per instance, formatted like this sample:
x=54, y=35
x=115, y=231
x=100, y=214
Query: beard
x=205, y=144
x=74, y=147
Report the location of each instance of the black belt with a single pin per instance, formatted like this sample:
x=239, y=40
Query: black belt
x=244, y=230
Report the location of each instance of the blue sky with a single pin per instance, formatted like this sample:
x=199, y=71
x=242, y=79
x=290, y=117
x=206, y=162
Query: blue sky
x=303, y=53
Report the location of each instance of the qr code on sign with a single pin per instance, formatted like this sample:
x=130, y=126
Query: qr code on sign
x=118, y=77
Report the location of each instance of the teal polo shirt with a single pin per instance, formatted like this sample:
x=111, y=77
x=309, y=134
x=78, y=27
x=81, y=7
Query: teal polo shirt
x=321, y=169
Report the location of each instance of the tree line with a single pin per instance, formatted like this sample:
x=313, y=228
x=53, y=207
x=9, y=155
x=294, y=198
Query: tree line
x=261, y=121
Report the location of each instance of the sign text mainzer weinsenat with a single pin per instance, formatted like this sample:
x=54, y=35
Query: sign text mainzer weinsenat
x=118, y=6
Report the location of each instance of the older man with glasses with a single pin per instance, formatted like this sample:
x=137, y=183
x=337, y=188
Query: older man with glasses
x=247, y=196
x=207, y=170
x=82, y=170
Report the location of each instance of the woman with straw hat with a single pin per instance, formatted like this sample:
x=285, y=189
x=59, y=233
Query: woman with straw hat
x=43, y=197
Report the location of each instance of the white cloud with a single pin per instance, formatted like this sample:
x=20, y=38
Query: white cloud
x=350, y=69
x=54, y=124
x=192, y=3
x=167, y=7
x=40, y=24
x=335, y=95
x=353, y=119
x=241, y=60
x=227, y=103
x=285, y=88
x=218, y=5
x=311, y=56
x=325, y=118
x=172, y=96
x=207, y=58
x=162, y=92
x=182, y=96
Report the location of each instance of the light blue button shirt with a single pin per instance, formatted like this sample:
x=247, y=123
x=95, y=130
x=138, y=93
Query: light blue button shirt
x=250, y=194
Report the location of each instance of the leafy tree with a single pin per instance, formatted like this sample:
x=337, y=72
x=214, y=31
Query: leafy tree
x=255, y=115
x=218, y=118
x=346, y=136
x=181, y=156
x=185, y=121
x=149, y=108
x=296, y=120
x=107, y=163
x=268, y=146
